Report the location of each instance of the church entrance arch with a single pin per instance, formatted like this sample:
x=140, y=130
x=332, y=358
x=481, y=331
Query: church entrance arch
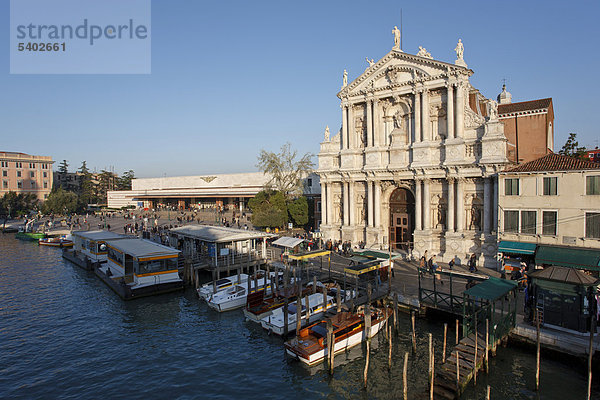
x=402, y=219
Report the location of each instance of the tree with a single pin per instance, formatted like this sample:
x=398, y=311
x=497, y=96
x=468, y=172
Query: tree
x=124, y=182
x=60, y=201
x=16, y=204
x=86, y=188
x=572, y=148
x=298, y=210
x=63, y=167
x=268, y=209
x=286, y=172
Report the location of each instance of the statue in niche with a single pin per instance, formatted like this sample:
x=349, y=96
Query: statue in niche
x=327, y=133
x=460, y=49
x=398, y=120
x=475, y=217
x=441, y=216
x=397, y=36
x=360, y=130
x=371, y=62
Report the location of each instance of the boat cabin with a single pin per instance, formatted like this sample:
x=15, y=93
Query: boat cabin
x=93, y=243
x=141, y=262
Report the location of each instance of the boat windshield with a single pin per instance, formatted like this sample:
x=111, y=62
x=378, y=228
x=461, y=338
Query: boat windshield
x=320, y=330
x=292, y=308
x=223, y=282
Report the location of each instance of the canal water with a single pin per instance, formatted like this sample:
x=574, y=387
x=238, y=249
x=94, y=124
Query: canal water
x=64, y=334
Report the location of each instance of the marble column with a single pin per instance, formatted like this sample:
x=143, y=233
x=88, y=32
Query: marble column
x=451, y=205
x=377, y=204
x=426, y=204
x=369, y=123
x=486, y=205
x=352, y=203
x=417, y=116
x=450, y=111
x=323, y=203
x=370, y=203
x=425, y=125
x=418, y=205
x=344, y=126
x=351, y=128
x=460, y=109
x=330, y=203
x=345, y=203
x=460, y=205
x=376, y=133
x=495, y=203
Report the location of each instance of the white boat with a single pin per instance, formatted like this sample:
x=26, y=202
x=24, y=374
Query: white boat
x=310, y=346
x=235, y=296
x=275, y=322
x=207, y=289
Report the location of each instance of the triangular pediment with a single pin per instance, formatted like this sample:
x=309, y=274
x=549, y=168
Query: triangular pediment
x=397, y=69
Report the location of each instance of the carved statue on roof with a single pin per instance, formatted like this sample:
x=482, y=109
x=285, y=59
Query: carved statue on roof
x=397, y=34
x=459, y=49
x=345, y=79
x=327, y=133
x=424, y=53
x=371, y=61
x=492, y=110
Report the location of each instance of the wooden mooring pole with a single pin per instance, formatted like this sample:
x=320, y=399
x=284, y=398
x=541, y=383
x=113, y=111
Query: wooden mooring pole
x=457, y=372
x=432, y=378
x=368, y=339
x=537, y=339
x=298, y=314
x=487, y=344
x=285, y=318
x=414, y=336
x=590, y=356
x=457, y=331
x=430, y=355
x=396, y=313
x=329, y=342
x=338, y=298
x=405, y=376
x=314, y=288
x=390, y=348
x=444, y=346
x=487, y=395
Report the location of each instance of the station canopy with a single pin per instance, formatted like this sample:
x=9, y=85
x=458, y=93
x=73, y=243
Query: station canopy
x=288, y=242
x=218, y=234
x=491, y=289
x=99, y=235
x=506, y=246
x=143, y=249
x=569, y=257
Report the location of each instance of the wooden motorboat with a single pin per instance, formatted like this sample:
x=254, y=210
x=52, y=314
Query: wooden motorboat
x=259, y=305
x=310, y=346
x=55, y=242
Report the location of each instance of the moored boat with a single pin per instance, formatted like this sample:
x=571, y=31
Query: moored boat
x=207, y=289
x=275, y=322
x=55, y=242
x=235, y=296
x=259, y=306
x=310, y=346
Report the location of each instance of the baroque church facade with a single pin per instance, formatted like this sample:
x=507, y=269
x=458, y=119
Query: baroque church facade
x=414, y=165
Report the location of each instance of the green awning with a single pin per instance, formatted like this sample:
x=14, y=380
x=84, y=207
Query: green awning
x=569, y=257
x=491, y=289
x=516, y=247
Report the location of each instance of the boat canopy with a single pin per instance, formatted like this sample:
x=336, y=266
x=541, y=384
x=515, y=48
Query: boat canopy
x=143, y=249
x=288, y=242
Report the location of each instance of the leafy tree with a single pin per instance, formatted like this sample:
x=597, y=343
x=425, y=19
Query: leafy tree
x=16, y=204
x=60, y=201
x=286, y=172
x=572, y=148
x=106, y=181
x=298, y=210
x=124, y=182
x=63, y=167
x=268, y=209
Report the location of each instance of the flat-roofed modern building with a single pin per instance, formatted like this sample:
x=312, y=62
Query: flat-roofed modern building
x=24, y=173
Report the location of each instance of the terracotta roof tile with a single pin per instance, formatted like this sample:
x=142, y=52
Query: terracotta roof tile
x=524, y=106
x=554, y=162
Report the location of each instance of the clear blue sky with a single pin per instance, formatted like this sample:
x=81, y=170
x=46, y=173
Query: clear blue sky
x=230, y=78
